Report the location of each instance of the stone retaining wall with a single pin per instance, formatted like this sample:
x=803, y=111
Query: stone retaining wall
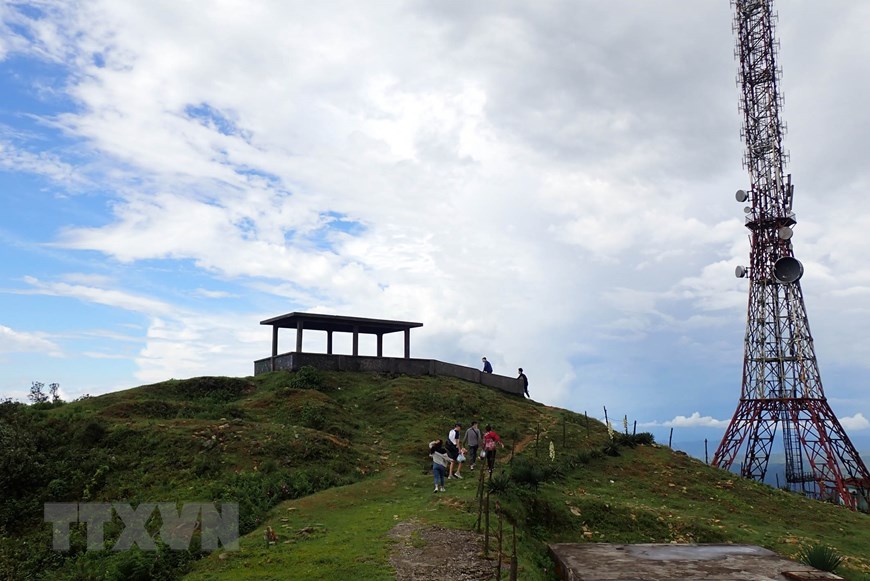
x=293, y=361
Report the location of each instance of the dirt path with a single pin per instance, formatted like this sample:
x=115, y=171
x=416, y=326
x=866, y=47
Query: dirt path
x=428, y=553
x=521, y=445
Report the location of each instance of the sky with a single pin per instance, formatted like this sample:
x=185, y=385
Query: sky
x=547, y=184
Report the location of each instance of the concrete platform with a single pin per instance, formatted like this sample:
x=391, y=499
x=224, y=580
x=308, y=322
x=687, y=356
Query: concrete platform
x=665, y=562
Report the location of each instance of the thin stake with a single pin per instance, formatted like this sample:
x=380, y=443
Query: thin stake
x=498, y=570
x=706, y=459
x=486, y=532
x=671, y=438
x=514, y=555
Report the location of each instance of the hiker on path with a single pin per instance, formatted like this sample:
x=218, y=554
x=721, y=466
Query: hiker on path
x=472, y=440
x=490, y=440
x=453, y=450
x=522, y=377
x=440, y=461
x=487, y=366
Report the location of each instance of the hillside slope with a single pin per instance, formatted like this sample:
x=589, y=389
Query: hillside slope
x=334, y=462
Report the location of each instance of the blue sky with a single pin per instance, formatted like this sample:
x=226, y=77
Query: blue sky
x=548, y=184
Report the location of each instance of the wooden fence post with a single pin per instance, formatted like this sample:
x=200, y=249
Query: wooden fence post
x=498, y=569
x=514, y=566
x=486, y=532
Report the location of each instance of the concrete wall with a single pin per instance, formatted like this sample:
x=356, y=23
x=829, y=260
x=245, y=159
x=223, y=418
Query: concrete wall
x=399, y=365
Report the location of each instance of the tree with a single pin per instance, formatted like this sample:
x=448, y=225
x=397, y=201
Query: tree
x=37, y=395
x=54, y=388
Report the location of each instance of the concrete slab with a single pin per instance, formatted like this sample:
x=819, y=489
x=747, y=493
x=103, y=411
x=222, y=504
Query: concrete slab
x=665, y=562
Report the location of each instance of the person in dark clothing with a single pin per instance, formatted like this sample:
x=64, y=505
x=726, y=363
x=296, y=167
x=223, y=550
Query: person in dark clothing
x=490, y=440
x=473, y=439
x=487, y=367
x=522, y=377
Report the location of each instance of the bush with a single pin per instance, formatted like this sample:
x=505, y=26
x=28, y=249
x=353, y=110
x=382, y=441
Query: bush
x=312, y=416
x=307, y=377
x=499, y=484
x=525, y=473
x=821, y=557
x=632, y=440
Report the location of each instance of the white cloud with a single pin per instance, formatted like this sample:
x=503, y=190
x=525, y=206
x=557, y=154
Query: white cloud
x=696, y=420
x=855, y=422
x=12, y=341
x=546, y=183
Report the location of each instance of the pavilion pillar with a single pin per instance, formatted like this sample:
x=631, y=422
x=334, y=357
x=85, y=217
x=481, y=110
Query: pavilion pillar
x=380, y=344
x=274, y=346
x=299, y=327
x=329, y=342
x=355, y=340
x=407, y=343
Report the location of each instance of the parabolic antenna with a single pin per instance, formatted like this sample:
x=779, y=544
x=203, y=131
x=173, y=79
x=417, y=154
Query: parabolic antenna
x=785, y=233
x=740, y=272
x=787, y=270
x=741, y=196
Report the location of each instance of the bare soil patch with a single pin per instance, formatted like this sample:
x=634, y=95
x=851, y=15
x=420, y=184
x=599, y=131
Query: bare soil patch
x=432, y=553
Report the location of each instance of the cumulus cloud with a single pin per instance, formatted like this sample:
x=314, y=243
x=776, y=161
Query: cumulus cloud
x=548, y=183
x=696, y=420
x=855, y=422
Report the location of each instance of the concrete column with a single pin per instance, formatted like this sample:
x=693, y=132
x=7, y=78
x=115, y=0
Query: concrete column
x=380, y=344
x=274, y=346
x=329, y=342
x=355, y=341
x=407, y=343
x=299, y=327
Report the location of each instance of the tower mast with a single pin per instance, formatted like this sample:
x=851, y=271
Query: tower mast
x=781, y=381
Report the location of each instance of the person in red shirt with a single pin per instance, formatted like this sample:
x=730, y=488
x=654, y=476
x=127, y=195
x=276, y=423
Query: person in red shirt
x=490, y=441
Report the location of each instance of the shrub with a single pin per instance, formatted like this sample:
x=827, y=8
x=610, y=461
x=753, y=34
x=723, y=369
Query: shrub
x=312, y=416
x=821, y=557
x=525, y=473
x=499, y=484
x=632, y=440
x=611, y=448
x=307, y=377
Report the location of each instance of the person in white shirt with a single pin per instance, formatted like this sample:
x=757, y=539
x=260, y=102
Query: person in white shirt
x=454, y=450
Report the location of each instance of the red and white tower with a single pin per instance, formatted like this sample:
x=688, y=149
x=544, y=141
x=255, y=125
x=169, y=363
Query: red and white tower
x=782, y=387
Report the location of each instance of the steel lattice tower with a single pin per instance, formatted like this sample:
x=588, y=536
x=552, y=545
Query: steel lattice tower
x=781, y=381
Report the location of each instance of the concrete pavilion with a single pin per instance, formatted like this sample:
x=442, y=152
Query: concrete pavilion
x=330, y=361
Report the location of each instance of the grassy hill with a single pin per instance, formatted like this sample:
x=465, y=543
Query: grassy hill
x=333, y=462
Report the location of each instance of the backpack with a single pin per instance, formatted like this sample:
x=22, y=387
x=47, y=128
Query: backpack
x=488, y=444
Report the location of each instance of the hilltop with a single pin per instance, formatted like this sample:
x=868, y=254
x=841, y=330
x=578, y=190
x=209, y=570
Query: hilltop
x=336, y=465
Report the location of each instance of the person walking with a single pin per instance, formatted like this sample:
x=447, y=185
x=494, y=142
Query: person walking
x=490, y=441
x=472, y=441
x=487, y=366
x=525, y=380
x=453, y=450
x=440, y=461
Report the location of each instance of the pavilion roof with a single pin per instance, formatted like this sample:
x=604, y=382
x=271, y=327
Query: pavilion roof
x=341, y=324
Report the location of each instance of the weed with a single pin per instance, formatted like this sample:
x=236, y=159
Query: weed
x=821, y=557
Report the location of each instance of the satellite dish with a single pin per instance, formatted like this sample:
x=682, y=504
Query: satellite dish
x=741, y=196
x=740, y=272
x=747, y=209
x=787, y=270
x=785, y=233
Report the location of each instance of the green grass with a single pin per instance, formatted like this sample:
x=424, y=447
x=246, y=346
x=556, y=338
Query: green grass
x=333, y=461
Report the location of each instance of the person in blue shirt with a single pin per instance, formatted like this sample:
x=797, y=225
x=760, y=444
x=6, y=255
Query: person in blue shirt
x=487, y=367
